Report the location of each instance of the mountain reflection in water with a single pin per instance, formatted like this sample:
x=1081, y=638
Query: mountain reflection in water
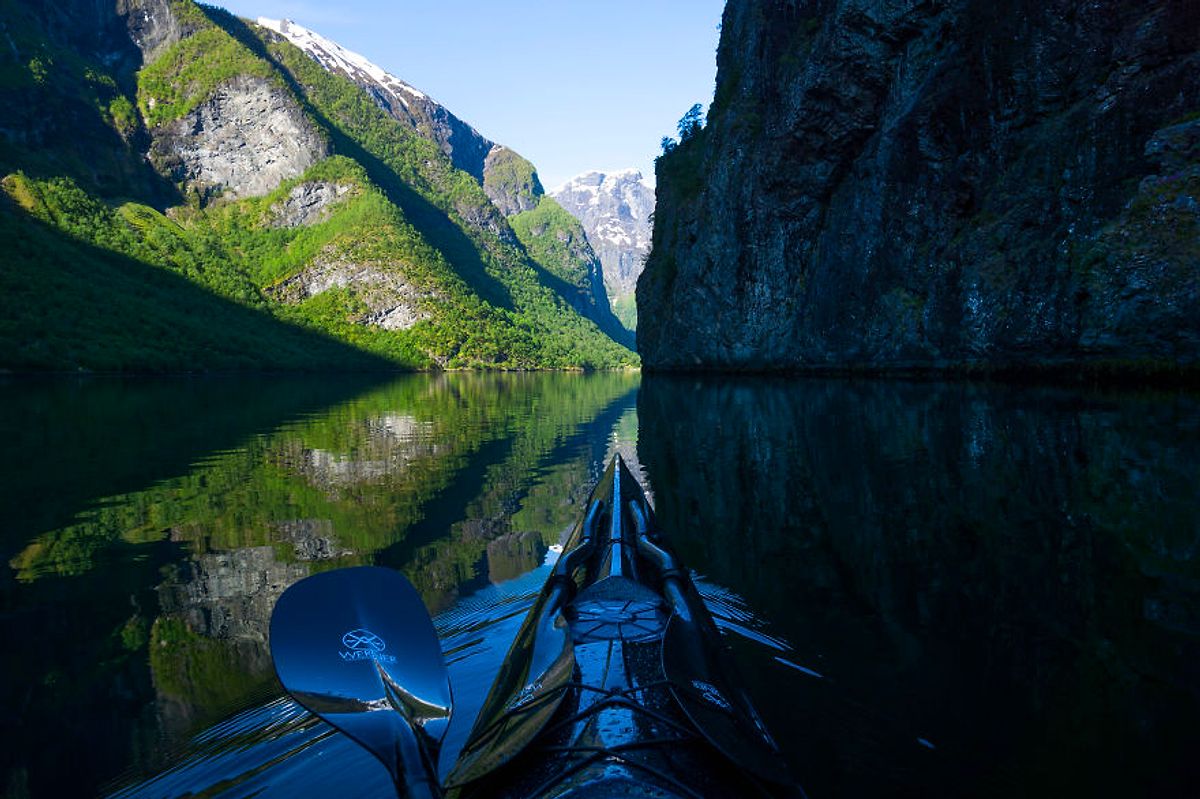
x=933, y=588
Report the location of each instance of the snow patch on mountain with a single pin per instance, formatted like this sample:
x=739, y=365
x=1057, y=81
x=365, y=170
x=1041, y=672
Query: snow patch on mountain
x=334, y=57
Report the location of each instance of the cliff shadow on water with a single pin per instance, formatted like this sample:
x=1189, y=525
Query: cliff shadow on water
x=988, y=591
x=94, y=467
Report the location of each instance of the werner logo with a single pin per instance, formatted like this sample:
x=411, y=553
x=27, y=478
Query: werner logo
x=363, y=644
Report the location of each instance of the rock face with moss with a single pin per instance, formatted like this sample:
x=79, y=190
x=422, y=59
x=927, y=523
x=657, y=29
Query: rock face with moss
x=510, y=181
x=308, y=203
x=935, y=185
x=153, y=25
x=244, y=140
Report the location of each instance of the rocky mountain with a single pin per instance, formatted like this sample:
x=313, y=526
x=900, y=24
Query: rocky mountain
x=509, y=180
x=464, y=145
x=615, y=210
x=467, y=148
x=936, y=184
x=183, y=189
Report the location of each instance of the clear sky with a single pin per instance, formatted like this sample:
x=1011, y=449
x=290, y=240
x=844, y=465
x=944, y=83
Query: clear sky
x=572, y=85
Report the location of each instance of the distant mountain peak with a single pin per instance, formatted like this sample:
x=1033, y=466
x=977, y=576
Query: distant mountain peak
x=614, y=208
x=598, y=177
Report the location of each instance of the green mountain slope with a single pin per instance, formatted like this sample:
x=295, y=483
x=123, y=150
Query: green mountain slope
x=556, y=241
x=69, y=303
x=277, y=190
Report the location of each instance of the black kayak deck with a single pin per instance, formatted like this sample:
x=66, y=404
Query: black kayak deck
x=591, y=703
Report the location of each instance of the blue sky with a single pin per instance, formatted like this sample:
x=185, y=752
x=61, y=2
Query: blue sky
x=572, y=85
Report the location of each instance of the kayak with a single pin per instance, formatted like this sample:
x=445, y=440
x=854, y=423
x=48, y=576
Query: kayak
x=618, y=683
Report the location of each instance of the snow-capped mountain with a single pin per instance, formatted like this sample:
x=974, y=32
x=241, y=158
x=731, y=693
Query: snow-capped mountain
x=615, y=211
x=467, y=148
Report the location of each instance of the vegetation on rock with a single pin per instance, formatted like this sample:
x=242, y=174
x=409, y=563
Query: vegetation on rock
x=116, y=269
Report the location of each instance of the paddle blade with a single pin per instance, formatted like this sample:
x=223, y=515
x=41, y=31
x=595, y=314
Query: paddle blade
x=357, y=648
x=531, y=685
x=704, y=681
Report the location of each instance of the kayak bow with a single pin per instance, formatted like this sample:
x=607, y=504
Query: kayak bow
x=618, y=683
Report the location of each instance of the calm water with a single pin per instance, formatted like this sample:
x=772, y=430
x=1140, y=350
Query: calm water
x=934, y=589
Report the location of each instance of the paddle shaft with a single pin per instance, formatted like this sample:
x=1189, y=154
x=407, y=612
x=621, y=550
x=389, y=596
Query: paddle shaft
x=417, y=779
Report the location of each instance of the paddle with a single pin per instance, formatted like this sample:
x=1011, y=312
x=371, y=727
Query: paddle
x=533, y=678
x=699, y=665
x=357, y=648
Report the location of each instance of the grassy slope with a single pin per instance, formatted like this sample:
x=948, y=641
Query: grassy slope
x=407, y=212
x=440, y=199
x=625, y=309
x=68, y=303
x=513, y=177
x=556, y=241
x=554, y=238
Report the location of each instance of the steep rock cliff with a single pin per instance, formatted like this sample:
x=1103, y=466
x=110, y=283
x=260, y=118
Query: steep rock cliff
x=894, y=183
x=153, y=25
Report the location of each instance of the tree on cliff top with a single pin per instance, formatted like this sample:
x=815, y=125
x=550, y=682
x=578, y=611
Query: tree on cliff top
x=689, y=125
x=691, y=122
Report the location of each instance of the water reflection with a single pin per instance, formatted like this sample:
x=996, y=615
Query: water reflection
x=934, y=589
x=74, y=444
x=987, y=591
x=146, y=610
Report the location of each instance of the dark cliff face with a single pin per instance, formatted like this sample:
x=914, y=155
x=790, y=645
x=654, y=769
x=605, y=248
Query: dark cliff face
x=895, y=183
x=52, y=126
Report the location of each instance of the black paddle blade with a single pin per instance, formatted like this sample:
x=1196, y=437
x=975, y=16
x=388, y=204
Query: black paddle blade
x=357, y=648
x=704, y=681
